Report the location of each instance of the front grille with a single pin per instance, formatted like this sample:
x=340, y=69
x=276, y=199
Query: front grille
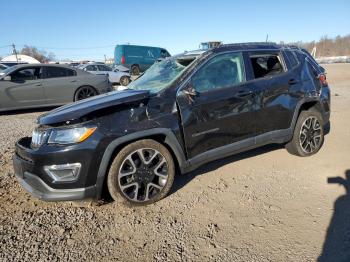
x=38, y=138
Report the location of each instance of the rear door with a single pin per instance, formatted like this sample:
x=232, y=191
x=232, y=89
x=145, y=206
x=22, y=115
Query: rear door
x=103, y=69
x=25, y=88
x=92, y=69
x=59, y=84
x=276, y=106
x=220, y=108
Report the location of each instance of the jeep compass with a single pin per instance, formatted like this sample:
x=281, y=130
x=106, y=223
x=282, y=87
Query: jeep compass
x=185, y=111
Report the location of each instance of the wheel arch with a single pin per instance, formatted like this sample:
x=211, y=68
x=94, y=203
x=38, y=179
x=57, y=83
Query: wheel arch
x=162, y=135
x=305, y=105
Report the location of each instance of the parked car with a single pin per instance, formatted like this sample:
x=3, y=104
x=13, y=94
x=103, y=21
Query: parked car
x=2, y=67
x=115, y=77
x=41, y=85
x=138, y=58
x=183, y=112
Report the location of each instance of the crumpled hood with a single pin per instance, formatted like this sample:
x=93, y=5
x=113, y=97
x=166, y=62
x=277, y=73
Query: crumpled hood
x=76, y=110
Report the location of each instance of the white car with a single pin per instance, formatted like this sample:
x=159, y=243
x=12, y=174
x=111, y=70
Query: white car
x=115, y=77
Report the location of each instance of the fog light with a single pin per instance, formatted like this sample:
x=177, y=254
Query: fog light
x=63, y=173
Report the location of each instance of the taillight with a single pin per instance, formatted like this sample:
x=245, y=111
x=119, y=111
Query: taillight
x=323, y=79
x=122, y=60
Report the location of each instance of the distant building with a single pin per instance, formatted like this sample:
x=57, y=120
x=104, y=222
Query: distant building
x=20, y=59
x=109, y=61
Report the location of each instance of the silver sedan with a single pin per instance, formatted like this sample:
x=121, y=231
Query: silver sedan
x=41, y=85
x=115, y=76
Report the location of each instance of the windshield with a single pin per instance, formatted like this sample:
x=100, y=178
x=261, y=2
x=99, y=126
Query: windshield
x=5, y=71
x=159, y=76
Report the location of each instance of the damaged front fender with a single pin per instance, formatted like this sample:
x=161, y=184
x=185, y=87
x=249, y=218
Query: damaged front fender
x=74, y=111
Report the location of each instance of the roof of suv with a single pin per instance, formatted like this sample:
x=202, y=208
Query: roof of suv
x=236, y=47
x=253, y=45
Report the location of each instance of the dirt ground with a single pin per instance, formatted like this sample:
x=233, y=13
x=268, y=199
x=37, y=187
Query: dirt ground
x=263, y=205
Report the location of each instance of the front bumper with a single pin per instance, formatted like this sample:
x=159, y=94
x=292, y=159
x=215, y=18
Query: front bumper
x=29, y=166
x=39, y=189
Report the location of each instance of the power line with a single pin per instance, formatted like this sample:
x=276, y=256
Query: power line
x=71, y=48
x=62, y=48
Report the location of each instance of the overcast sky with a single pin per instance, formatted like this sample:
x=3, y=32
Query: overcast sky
x=91, y=29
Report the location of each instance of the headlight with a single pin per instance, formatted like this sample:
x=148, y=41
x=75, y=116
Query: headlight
x=70, y=135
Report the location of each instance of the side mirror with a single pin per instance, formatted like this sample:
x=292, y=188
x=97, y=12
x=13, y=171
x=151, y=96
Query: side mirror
x=7, y=78
x=190, y=93
x=85, y=69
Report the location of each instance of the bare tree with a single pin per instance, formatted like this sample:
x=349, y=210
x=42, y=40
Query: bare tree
x=40, y=55
x=338, y=46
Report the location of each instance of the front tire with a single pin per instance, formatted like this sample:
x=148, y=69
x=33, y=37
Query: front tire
x=142, y=173
x=308, y=136
x=124, y=80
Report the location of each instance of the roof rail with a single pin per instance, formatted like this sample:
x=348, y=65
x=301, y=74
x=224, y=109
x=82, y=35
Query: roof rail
x=247, y=43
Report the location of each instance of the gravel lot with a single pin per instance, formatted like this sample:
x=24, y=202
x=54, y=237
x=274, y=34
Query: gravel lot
x=263, y=205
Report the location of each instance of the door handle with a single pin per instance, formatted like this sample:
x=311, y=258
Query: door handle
x=244, y=93
x=73, y=81
x=39, y=85
x=292, y=81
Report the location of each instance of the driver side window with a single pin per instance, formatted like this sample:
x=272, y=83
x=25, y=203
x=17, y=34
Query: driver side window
x=221, y=71
x=26, y=74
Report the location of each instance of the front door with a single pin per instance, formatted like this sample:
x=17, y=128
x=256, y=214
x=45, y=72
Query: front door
x=25, y=88
x=217, y=105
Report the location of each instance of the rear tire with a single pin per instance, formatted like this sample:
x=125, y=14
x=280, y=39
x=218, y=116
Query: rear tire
x=142, y=173
x=135, y=70
x=308, y=135
x=84, y=92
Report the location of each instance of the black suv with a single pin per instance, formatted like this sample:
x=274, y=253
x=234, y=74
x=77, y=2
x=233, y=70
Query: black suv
x=183, y=112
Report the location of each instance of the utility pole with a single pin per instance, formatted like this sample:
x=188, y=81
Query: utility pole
x=267, y=37
x=14, y=51
x=313, y=52
x=105, y=58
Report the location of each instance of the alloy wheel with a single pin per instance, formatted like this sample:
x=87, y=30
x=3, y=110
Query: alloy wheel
x=310, y=135
x=85, y=92
x=143, y=174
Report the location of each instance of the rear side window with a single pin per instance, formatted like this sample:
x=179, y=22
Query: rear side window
x=164, y=53
x=292, y=58
x=91, y=68
x=104, y=68
x=222, y=71
x=265, y=65
x=53, y=72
